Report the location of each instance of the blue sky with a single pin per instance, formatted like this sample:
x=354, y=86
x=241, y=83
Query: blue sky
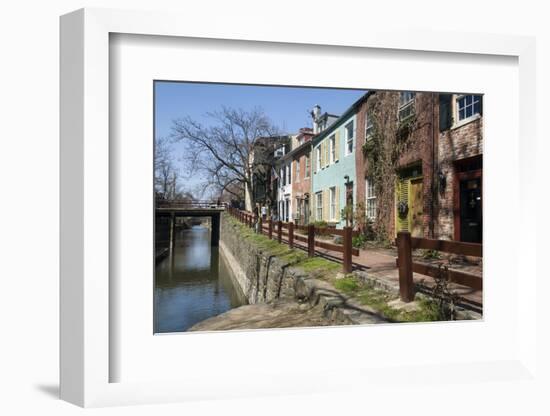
x=287, y=107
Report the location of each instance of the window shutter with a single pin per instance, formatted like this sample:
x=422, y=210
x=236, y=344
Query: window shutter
x=326, y=214
x=337, y=145
x=312, y=201
x=445, y=111
x=337, y=203
x=322, y=150
x=402, y=193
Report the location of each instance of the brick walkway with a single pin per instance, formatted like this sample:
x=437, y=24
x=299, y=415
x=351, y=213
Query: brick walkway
x=380, y=264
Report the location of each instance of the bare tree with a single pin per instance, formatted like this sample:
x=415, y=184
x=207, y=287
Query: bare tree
x=224, y=150
x=166, y=173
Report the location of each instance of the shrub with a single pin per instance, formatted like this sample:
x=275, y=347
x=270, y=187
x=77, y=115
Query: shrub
x=359, y=241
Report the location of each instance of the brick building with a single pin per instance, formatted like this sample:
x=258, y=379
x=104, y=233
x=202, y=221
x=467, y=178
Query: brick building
x=398, y=131
x=301, y=184
x=421, y=164
x=460, y=157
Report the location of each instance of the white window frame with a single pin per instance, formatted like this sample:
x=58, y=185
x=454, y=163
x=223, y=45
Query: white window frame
x=318, y=157
x=369, y=126
x=319, y=206
x=370, y=198
x=333, y=203
x=287, y=203
x=307, y=164
x=464, y=120
x=297, y=171
x=349, y=139
x=406, y=105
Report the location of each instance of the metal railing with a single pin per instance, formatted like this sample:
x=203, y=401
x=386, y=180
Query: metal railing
x=187, y=204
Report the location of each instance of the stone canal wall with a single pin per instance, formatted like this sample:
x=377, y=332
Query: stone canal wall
x=261, y=276
x=266, y=279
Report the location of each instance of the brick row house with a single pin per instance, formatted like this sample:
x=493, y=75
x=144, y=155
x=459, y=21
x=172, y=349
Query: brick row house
x=426, y=149
x=393, y=161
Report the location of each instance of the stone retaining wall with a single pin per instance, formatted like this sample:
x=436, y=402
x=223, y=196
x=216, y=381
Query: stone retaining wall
x=267, y=279
x=261, y=277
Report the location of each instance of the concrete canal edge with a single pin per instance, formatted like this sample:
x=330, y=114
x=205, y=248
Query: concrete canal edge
x=274, y=285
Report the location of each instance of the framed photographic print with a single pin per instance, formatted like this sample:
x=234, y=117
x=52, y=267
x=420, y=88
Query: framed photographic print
x=237, y=210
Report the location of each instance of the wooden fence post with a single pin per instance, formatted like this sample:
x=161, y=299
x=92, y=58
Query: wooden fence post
x=270, y=229
x=404, y=255
x=279, y=231
x=347, y=267
x=260, y=225
x=311, y=240
x=291, y=234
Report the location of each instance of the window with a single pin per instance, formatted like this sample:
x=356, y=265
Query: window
x=289, y=172
x=468, y=106
x=332, y=144
x=318, y=158
x=319, y=205
x=283, y=177
x=287, y=209
x=369, y=126
x=297, y=171
x=406, y=105
x=371, y=199
x=349, y=137
x=306, y=174
x=333, y=203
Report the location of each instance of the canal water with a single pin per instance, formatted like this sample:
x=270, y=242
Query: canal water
x=194, y=284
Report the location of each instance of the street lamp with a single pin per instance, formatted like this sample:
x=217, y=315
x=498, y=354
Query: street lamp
x=346, y=178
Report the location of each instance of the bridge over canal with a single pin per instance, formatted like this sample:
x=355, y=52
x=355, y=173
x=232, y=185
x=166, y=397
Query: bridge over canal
x=172, y=209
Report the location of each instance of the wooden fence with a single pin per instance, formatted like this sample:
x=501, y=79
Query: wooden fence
x=406, y=265
x=291, y=233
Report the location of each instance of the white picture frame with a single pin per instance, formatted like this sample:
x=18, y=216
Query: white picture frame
x=86, y=356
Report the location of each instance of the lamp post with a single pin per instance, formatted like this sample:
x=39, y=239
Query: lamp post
x=346, y=178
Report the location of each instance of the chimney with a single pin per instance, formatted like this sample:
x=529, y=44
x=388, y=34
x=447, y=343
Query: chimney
x=315, y=114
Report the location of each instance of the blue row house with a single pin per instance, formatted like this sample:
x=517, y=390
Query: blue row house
x=333, y=179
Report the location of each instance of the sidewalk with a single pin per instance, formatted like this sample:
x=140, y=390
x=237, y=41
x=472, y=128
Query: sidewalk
x=381, y=265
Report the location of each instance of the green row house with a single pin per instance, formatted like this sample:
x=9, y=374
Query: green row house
x=333, y=177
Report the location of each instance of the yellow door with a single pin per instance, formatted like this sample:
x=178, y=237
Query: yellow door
x=416, y=210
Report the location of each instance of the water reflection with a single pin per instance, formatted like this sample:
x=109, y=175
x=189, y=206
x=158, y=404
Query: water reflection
x=192, y=285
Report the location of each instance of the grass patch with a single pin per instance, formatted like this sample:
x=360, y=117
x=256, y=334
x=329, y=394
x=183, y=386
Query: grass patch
x=348, y=284
x=294, y=256
x=319, y=264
